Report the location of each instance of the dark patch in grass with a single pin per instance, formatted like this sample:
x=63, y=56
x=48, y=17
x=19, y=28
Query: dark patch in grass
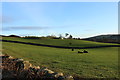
x=55, y=61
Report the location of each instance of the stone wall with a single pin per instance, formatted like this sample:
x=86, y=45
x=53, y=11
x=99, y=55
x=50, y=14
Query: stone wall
x=15, y=68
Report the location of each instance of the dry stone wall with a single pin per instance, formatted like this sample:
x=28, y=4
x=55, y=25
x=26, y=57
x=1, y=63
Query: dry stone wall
x=15, y=68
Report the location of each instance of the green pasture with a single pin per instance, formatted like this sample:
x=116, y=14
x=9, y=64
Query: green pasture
x=60, y=42
x=98, y=63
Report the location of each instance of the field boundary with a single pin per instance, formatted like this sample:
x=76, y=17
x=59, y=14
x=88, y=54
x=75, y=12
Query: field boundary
x=59, y=46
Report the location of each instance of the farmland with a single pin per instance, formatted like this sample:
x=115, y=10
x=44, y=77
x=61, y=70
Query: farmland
x=98, y=63
x=59, y=42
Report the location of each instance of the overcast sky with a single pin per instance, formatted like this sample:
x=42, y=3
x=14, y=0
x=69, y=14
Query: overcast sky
x=80, y=19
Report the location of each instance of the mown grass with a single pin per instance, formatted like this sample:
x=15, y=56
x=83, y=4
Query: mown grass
x=60, y=42
x=98, y=63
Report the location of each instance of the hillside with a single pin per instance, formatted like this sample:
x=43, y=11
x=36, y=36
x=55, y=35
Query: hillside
x=59, y=42
x=105, y=38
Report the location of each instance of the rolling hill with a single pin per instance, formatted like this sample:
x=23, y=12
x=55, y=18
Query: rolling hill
x=59, y=42
x=105, y=38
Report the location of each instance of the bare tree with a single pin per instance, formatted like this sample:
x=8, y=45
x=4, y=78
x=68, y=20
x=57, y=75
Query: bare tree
x=66, y=34
x=70, y=37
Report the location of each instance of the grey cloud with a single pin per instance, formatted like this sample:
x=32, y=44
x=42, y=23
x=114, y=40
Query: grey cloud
x=11, y=28
x=23, y=28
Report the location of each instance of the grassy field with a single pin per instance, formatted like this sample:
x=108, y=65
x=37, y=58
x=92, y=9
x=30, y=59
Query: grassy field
x=98, y=63
x=60, y=42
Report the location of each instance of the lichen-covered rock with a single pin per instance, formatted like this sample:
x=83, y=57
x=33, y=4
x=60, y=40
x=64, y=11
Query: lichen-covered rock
x=10, y=57
x=27, y=65
x=49, y=71
x=69, y=78
x=58, y=74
